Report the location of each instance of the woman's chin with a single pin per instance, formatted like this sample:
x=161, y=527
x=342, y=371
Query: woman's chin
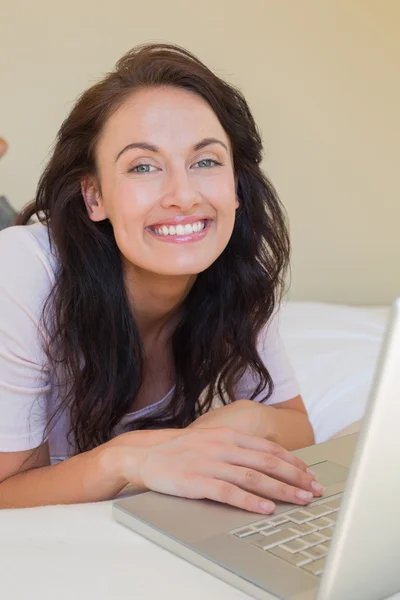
x=188, y=272
x=184, y=270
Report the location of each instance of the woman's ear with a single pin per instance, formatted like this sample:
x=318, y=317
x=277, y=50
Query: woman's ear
x=93, y=200
x=237, y=203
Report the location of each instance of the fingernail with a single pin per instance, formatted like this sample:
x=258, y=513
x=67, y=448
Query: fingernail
x=267, y=507
x=311, y=472
x=317, y=487
x=303, y=495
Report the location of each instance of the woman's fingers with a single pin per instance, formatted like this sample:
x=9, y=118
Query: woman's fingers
x=228, y=493
x=256, y=443
x=272, y=465
x=262, y=485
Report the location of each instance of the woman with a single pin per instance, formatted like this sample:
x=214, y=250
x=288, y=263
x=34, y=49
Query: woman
x=146, y=297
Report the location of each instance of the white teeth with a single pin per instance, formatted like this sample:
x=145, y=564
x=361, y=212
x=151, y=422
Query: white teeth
x=180, y=229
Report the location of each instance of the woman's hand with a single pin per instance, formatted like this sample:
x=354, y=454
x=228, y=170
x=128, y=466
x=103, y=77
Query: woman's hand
x=286, y=423
x=215, y=463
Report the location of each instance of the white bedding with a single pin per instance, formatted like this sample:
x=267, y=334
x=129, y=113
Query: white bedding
x=78, y=552
x=334, y=351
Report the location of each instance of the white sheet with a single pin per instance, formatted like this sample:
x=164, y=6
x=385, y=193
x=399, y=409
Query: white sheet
x=79, y=552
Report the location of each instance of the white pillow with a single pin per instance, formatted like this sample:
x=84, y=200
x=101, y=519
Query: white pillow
x=334, y=351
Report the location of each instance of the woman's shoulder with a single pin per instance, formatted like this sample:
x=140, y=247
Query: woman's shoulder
x=27, y=247
x=27, y=267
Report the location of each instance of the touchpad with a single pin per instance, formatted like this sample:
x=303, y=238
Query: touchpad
x=329, y=473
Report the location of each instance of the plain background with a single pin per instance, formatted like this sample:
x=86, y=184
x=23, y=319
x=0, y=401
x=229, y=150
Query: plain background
x=321, y=76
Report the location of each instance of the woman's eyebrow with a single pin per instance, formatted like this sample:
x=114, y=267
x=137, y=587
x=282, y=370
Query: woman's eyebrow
x=141, y=145
x=151, y=148
x=208, y=142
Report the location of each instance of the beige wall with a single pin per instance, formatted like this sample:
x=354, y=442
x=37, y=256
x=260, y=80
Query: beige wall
x=322, y=78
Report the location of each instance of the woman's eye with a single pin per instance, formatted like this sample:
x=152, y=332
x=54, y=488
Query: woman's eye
x=207, y=162
x=144, y=168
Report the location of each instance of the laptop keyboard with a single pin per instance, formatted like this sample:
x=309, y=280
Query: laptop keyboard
x=300, y=536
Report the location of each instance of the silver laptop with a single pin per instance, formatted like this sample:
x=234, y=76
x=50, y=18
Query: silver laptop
x=344, y=546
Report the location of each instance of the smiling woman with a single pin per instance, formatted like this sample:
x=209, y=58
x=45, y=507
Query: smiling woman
x=146, y=297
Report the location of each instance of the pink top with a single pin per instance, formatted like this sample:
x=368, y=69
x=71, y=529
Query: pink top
x=27, y=394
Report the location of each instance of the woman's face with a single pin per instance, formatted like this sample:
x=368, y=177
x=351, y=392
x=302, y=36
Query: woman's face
x=166, y=180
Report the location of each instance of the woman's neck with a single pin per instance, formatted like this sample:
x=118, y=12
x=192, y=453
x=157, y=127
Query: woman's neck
x=156, y=299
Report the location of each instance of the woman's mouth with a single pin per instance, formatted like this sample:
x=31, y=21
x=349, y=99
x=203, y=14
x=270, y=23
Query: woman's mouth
x=191, y=232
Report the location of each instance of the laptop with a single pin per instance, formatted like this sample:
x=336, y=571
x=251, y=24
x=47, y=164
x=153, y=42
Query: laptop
x=343, y=546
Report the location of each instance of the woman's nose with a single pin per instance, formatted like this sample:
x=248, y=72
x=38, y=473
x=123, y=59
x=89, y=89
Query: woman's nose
x=180, y=192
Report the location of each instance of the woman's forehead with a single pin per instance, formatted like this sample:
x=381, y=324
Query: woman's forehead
x=162, y=116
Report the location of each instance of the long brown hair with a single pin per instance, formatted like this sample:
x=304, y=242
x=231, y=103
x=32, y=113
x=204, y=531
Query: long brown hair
x=91, y=330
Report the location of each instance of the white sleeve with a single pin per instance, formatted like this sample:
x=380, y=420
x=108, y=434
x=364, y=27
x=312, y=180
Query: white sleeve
x=273, y=354
x=25, y=281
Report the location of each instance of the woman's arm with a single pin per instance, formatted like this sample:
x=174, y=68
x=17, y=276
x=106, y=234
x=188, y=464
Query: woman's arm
x=83, y=478
x=285, y=423
x=288, y=425
x=218, y=463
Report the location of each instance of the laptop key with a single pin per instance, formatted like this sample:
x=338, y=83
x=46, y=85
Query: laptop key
x=316, y=551
x=327, y=532
x=264, y=529
x=319, y=510
x=335, y=503
x=294, y=545
x=323, y=522
x=303, y=528
x=314, y=538
x=316, y=567
x=333, y=516
x=294, y=559
x=259, y=541
x=275, y=539
x=244, y=532
x=300, y=516
x=265, y=524
x=279, y=519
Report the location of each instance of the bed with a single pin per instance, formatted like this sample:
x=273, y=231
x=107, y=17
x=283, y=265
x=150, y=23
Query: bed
x=78, y=551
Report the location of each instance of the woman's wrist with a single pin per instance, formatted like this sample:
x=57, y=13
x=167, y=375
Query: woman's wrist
x=120, y=461
x=121, y=458
x=108, y=463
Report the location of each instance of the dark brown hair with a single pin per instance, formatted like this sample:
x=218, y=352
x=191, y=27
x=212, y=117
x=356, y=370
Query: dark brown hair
x=91, y=330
